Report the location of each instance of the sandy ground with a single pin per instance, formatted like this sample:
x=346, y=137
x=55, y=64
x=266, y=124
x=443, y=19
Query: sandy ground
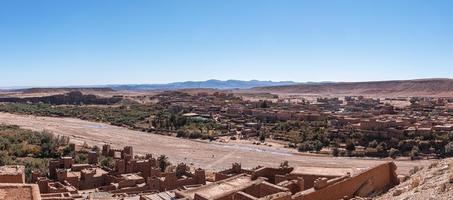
x=204, y=154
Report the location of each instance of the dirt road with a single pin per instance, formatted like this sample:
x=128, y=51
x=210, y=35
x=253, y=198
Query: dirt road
x=208, y=155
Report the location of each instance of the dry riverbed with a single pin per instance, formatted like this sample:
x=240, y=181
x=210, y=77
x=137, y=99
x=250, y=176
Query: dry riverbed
x=204, y=154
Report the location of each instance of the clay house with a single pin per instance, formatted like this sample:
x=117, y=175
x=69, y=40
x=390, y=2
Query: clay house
x=373, y=124
x=443, y=128
x=301, y=183
x=237, y=187
x=12, y=184
x=235, y=169
x=12, y=174
x=311, y=174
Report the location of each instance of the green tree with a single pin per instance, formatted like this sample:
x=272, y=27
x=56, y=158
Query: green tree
x=107, y=162
x=5, y=159
x=262, y=137
x=381, y=150
x=81, y=158
x=350, y=146
x=162, y=160
x=335, y=152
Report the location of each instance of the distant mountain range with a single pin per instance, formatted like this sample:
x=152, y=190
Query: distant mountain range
x=209, y=84
x=418, y=87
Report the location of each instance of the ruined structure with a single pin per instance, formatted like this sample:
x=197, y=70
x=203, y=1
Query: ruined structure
x=140, y=177
x=300, y=184
x=130, y=175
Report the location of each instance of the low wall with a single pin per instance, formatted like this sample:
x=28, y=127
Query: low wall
x=19, y=191
x=17, y=178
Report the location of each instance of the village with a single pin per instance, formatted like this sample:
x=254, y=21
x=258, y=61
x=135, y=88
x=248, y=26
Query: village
x=148, y=178
x=353, y=126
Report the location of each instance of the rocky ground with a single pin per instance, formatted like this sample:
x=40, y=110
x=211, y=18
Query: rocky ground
x=433, y=182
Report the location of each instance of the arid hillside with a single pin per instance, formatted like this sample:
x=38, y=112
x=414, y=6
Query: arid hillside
x=433, y=181
x=421, y=87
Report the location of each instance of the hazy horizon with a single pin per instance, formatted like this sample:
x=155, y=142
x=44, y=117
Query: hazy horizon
x=121, y=84
x=61, y=43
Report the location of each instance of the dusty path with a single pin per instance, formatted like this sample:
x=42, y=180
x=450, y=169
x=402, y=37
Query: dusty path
x=211, y=155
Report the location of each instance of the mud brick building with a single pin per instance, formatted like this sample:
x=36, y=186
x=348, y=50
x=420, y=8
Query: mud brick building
x=12, y=174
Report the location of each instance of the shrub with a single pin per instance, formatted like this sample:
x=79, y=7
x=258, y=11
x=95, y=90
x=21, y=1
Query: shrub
x=314, y=145
x=371, y=152
x=449, y=149
x=5, y=159
x=81, y=158
x=373, y=144
x=415, y=182
x=195, y=135
x=284, y=164
x=181, y=134
x=415, y=152
x=39, y=165
x=381, y=151
x=107, y=162
x=393, y=153
x=67, y=151
x=350, y=146
x=357, y=153
x=335, y=152
x=262, y=137
x=414, y=170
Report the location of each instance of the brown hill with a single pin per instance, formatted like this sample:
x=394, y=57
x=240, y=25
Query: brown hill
x=420, y=87
x=45, y=90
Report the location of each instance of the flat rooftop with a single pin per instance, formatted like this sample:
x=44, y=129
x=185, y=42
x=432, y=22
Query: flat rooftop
x=99, y=171
x=227, y=186
x=159, y=196
x=323, y=171
x=131, y=176
x=19, y=191
x=12, y=170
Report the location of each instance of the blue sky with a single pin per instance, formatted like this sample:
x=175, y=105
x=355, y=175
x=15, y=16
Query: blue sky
x=84, y=42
